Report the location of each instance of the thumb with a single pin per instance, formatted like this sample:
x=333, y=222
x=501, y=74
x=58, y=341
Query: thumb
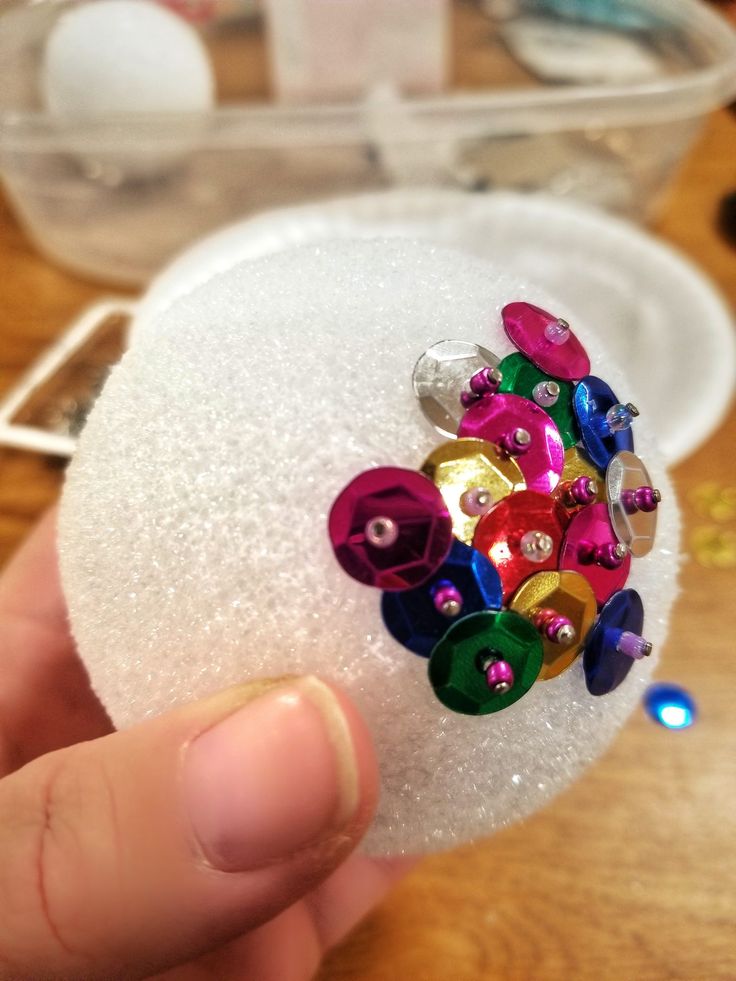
x=134, y=852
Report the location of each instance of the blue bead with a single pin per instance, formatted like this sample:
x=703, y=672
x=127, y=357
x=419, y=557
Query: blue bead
x=606, y=667
x=412, y=617
x=670, y=705
x=591, y=401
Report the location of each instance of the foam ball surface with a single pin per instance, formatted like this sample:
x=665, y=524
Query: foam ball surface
x=193, y=530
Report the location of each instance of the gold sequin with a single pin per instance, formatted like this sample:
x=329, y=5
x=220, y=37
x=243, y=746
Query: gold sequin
x=568, y=594
x=461, y=466
x=578, y=465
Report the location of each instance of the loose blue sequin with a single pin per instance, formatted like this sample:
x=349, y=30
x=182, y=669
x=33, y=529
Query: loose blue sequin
x=670, y=705
x=412, y=617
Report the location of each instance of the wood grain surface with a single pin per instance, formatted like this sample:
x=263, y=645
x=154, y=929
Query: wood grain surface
x=630, y=874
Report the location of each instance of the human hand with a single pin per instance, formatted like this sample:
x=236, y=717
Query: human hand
x=212, y=842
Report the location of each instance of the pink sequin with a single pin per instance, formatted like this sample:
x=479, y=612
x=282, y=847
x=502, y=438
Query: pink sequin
x=531, y=330
x=497, y=417
x=588, y=530
x=410, y=512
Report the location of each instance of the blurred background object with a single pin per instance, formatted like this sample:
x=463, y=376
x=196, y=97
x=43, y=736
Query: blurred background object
x=596, y=100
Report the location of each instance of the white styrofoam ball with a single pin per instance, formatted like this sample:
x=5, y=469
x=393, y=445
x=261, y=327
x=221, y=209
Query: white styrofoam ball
x=128, y=56
x=193, y=532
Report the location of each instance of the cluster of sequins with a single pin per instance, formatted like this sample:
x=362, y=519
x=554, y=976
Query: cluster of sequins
x=505, y=558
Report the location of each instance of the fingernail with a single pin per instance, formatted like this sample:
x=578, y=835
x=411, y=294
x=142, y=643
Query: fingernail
x=276, y=776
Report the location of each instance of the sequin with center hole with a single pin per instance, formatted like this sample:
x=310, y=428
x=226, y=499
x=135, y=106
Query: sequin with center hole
x=592, y=400
x=442, y=374
x=590, y=549
x=522, y=377
x=390, y=528
x=568, y=595
x=633, y=511
x=472, y=476
x=605, y=659
x=459, y=663
x=578, y=465
x=417, y=618
x=504, y=420
x=500, y=533
x=546, y=340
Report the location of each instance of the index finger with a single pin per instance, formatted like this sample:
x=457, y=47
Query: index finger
x=46, y=700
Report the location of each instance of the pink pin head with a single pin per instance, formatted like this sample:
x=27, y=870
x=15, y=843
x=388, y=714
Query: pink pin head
x=500, y=677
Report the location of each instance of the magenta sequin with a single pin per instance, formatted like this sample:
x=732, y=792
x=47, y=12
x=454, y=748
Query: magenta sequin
x=498, y=417
x=534, y=332
x=589, y=547
x=413, y=506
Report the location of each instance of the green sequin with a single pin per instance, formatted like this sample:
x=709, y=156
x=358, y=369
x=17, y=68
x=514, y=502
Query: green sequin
x=455, y=665
x=520, y=377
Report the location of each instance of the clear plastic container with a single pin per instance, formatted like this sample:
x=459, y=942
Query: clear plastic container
x=593, y=99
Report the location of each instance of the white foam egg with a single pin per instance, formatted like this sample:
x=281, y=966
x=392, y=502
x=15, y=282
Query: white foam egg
x=133, y=57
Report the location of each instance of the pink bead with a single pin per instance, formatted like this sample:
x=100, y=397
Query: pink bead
x=501, y=419
x=390, y=528
x=549, y=344
x=500, y=676
x=641, y=499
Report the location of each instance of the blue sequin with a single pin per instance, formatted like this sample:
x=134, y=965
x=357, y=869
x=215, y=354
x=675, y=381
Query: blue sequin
x=591, y=401
x=606, y=667
x=411, y=616
x=670, y=705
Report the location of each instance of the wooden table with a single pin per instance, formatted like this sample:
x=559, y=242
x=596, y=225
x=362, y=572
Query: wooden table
x=630, y=874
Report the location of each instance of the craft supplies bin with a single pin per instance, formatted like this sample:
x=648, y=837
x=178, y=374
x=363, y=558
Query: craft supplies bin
x=527, y=102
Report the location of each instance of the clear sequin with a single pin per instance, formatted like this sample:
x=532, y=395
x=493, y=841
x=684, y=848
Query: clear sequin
x=632, y=502
x=441, y=376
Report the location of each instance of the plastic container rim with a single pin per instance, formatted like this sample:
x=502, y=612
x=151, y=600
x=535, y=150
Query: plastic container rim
x=462, y=115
